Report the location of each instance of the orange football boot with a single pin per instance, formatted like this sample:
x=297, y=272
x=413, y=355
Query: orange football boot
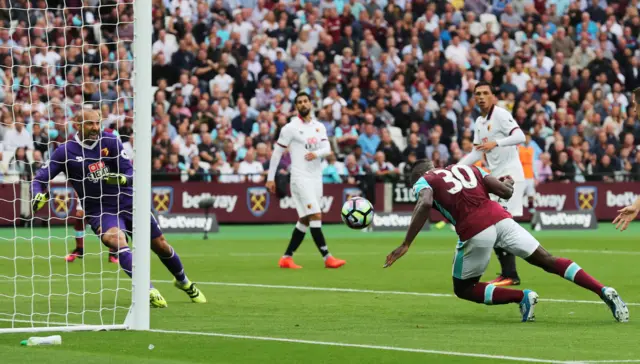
x=332, y=262
x=505, y=281
x=287, y=262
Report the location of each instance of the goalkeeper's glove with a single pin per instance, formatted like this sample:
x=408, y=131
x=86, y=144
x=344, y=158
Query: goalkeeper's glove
x=39, y=200
x=115, y=179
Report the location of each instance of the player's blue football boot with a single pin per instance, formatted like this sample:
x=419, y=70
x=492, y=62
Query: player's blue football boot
x=528, y=305
x=618, y=307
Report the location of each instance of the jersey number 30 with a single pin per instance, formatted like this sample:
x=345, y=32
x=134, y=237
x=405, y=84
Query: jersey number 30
x=458, y=179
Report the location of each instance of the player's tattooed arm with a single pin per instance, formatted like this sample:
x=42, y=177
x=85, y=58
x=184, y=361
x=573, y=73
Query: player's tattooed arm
x=418, y=219
x=504, y=190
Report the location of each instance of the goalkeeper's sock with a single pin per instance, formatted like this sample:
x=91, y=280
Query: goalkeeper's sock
x=318, y=237
x=296, y=239
x=174, y=265
x=125, y=260
x=78, y=226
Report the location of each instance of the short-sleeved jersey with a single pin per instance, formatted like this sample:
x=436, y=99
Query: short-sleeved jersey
x=498, y=124
x=302, y=138
x=85, y=166
x=460, y=195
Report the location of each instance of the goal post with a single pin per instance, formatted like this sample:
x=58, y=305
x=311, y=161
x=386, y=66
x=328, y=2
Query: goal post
x=49, y=72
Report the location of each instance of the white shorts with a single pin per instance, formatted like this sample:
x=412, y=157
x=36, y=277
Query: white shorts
x=515, y=203
x=472, y=256
x=307, y=196
x=529, y=187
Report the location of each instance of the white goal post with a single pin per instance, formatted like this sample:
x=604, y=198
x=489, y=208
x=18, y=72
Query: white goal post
x=39, y=290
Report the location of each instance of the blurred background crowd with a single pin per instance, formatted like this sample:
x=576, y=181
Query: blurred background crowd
x=392, y=82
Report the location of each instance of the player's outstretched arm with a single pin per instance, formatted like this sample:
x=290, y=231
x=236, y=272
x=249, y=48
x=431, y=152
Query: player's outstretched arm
x=418, y=219
x=504, y=190
x=471, y=158
x=627, y=215
x=46, y=173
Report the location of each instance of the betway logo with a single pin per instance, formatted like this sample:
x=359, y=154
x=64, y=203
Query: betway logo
x=184, y=222
x=392, y=220
x=620, y=200
x=325, y=203
x=223, y=202
x=564, y=219
x=550, y=201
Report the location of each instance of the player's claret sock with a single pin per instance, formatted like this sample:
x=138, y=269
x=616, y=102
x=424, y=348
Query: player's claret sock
x=318, y=238
x=489, y=294
x=571, y=271
x=78, y=226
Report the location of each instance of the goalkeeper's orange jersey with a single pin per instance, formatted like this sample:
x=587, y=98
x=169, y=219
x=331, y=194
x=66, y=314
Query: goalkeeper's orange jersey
x=526, y=158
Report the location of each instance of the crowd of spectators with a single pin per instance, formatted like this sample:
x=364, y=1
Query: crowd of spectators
x=392, y=81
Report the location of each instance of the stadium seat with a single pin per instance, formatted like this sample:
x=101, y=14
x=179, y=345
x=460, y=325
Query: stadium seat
x=397, y=137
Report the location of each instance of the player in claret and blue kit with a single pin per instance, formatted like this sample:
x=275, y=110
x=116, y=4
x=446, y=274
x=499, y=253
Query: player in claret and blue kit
x=101, y=173
x=461, y=194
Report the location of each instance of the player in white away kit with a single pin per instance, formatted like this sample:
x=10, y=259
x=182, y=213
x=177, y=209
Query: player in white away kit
x=497, y=135
x=308, y=143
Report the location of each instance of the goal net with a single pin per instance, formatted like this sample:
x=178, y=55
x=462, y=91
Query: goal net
x=57, y=59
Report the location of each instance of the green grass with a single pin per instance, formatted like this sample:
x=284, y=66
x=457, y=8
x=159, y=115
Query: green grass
x=564, y=331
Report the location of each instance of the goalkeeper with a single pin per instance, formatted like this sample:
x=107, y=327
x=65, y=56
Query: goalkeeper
x=101, y=173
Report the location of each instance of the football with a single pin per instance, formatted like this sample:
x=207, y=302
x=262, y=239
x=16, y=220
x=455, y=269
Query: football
x=357, y=213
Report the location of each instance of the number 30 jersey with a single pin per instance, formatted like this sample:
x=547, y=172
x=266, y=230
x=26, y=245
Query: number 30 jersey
x=460, y=195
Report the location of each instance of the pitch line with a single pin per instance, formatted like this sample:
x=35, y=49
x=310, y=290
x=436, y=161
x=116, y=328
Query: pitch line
x=362, y=346
x=354, y=290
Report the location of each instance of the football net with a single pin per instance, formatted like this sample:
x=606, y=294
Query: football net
x=56, y=61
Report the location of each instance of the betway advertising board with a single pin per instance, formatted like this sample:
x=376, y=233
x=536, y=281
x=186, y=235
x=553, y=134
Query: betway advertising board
x=604, y=199
x=231, y=203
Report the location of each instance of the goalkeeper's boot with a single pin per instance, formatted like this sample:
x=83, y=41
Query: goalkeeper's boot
x=113, y=257
x=618, y=307
x=156, y=300
x=191, y=289
x=502, y=281
x=76, y=253
x=528, y=305
x=332, y=262
x=287, y=262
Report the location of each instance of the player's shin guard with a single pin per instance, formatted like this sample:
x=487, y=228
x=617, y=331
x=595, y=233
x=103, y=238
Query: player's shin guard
x=78, y=226
x=296, y=239
x=507, y=263
x=571, y=271
x=174, y=265
x=486, y=293
x=318, y=237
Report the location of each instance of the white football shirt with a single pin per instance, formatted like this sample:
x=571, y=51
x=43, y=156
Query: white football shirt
x=302, y=138
x=497, y=125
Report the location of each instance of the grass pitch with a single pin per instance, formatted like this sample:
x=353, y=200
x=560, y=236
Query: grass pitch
x=361, y=313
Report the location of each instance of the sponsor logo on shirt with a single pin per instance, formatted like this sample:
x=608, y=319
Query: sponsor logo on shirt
x=97, y=171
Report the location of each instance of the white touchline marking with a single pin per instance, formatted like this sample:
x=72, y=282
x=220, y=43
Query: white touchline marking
x=362, y=346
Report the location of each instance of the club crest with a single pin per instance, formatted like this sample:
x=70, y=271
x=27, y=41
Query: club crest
x=63, y=201
x=161, y=199
x=586, y=197
x=257, y=200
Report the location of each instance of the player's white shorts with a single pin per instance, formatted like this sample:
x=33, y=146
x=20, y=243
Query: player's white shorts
x=307, y=195
x=472, y=256
x=515, y=203
x=529, y=187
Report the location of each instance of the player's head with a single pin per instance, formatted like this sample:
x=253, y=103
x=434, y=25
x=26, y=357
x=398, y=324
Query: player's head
x=419, y=169
x=303, y=104
x=484, y=94
x=88, y=124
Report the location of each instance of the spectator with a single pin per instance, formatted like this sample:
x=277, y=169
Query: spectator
x=369, y=141
x=605, y=171
x=544, y=172
x=251, y=169
x=384, y=170
x=196, y=172
x=331, y=173
x=18, y=136
x=435, y=145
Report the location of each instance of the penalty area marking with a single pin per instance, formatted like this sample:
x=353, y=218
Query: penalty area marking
x=354, y=290
x=362, y=346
